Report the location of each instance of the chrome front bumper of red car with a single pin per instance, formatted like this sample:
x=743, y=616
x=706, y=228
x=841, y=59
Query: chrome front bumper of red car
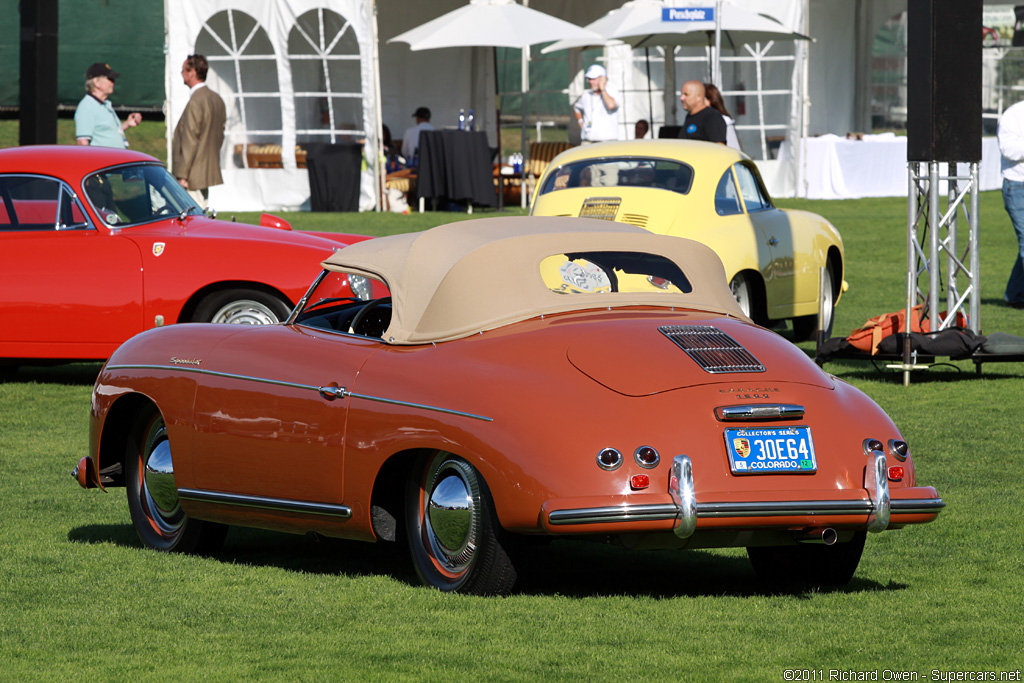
x=684, y=511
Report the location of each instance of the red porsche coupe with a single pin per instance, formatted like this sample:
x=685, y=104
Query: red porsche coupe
x=97, y=245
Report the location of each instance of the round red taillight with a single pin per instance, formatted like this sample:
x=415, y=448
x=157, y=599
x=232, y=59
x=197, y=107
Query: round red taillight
x=646, y=457
x=899, y=449
x=609, y=459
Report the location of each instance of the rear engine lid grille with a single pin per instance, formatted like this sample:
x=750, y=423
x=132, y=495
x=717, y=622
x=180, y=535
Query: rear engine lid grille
x=602, y=208
x=713, y=350
x=636, y=219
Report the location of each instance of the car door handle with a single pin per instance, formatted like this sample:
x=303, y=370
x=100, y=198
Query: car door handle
x=331, y=393
x=772, y=241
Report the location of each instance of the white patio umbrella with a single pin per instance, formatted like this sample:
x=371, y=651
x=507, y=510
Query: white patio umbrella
x=650, y=23
x=494, y=23
x=703, y=23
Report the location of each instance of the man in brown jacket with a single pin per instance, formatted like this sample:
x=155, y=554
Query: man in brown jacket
x=195, y=147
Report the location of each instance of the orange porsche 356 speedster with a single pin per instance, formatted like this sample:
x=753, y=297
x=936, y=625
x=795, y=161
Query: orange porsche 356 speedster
x=555, y=377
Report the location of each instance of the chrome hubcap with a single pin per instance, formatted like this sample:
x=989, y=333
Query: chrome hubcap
x=158, y=489
x=160, y=479
x=742, y=293
x=452, y=514
x=245, y=312
x=827, y=303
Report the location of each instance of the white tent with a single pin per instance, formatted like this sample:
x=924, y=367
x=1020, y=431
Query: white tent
x=290, y=71
x=836, y=76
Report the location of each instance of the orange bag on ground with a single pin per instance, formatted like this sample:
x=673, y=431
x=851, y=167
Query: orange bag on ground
x=867, y=336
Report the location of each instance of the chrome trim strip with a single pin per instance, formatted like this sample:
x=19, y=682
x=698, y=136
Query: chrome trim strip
x=422, y=406
x=784, y=508
x=262, y=503
x=295, y=385
x=759, y=411
x=619, y=513
x=916, y=506
x=659, y=512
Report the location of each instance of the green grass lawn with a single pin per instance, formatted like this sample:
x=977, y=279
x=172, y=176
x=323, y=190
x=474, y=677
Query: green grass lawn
x=81, y=599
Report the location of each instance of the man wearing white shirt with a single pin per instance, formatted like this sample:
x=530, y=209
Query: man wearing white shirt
x=596, y=109
x=195, y=147
x=1011, y=146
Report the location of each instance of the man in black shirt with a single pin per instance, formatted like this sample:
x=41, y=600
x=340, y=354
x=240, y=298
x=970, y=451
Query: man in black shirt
x=703, y=122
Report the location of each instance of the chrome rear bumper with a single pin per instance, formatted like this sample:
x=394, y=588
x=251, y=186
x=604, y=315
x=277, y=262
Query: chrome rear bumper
x=684, y=510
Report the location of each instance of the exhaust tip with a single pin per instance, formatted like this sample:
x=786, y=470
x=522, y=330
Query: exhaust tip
x=826, y=535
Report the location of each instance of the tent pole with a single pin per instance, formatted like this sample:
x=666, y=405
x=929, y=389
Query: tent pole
x=379, y=171
x=716, y=62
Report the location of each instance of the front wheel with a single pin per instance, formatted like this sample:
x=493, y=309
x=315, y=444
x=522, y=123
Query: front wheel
x=153, y=495
x=241, y=307
x=808, y=564
x=454, y=535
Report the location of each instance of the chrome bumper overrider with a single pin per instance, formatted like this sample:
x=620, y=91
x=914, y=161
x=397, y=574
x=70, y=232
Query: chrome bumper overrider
x=685, y=510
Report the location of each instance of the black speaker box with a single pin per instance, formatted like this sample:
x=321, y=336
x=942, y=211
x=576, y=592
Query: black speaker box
x=37, y=93
x=944, y=80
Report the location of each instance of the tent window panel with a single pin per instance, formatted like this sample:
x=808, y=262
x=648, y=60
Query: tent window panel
x=312, y=114
x=233, y=33
x=345, y=76
x=322, y=31
x=259, y=76
x=263, y=114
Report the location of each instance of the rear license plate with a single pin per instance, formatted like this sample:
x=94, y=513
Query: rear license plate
x=771, y=450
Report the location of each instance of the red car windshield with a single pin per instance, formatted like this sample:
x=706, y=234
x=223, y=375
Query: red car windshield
x=140, y=193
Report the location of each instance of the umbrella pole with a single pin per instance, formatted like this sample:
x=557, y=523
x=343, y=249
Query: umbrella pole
x=650, y=101
x=525, y=85
x=497, y=126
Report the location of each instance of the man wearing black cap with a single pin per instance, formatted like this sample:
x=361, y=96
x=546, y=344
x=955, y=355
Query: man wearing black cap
x=96, y=123
x=411, y=139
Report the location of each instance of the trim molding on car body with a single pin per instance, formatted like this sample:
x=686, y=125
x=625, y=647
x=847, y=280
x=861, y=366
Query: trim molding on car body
x=263, y=503
x=340, y=392
x=667, y=511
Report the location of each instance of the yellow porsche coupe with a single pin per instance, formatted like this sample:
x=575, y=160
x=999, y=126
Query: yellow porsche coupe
x=779, y=262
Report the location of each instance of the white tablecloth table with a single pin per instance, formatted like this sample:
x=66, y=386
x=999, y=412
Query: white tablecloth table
x=837, y=168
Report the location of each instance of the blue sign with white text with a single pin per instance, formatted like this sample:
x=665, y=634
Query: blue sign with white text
x=687, y=13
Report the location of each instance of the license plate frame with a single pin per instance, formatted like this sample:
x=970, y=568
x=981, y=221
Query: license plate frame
x=770, y=450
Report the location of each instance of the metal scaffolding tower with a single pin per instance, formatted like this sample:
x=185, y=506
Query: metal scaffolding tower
x=933, y=239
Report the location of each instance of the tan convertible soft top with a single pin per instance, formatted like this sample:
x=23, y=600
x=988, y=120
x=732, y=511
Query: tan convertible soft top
x=462, y=278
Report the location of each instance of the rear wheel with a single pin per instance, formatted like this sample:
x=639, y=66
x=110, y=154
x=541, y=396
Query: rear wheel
x=805, y=326
x=454, y=535
x=153, y=495
x=808, y=564
x=748, y=296
x=241, y=307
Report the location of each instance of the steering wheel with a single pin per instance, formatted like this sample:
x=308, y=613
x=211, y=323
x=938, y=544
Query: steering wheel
x=364, y=311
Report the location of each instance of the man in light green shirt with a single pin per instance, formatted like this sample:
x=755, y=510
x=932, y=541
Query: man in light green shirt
x=96, y=122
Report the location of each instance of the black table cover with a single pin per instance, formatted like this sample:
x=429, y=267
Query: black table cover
x=334, y=175
x=456, y=165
